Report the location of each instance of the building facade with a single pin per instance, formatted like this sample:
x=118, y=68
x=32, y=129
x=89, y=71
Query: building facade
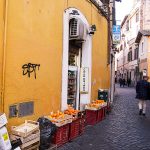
x=143, y=41
x=128, y=57
x=51, y=55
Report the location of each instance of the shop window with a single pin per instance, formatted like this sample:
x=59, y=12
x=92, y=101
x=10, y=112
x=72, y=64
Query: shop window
x=142, y=47
x=127, y=25
x=74, y=62
x=125, y=44
x=136, y=54
x=130, y=56
x=121, y=47
x=130, y=24
x=137, y=16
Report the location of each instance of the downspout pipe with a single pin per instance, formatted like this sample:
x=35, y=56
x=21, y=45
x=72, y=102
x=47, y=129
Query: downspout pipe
x=4, y=54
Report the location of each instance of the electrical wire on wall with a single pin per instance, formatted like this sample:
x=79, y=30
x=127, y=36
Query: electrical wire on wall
x=4, y=53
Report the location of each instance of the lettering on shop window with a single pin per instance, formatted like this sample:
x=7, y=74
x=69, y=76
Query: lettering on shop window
x=29, y=69
x=84, y=80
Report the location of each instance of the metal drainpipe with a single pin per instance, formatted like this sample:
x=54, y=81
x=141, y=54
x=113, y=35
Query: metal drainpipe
x=4, y=53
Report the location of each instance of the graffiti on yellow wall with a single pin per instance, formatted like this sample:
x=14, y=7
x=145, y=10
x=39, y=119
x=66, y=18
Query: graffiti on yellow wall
x=30, y=68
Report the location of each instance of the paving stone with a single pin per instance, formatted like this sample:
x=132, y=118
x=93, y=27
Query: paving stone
x=123, y=128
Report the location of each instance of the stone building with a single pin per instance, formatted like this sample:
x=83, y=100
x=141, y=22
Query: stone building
x=128, y=58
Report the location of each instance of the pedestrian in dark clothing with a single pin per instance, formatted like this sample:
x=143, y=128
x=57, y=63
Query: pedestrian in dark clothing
x=120, y=81
x=128, y=82
x=142, y=88
x=123, y=82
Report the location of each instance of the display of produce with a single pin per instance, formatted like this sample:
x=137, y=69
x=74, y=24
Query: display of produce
x=59, y=118
x=68, y=125
x=71, y=111
x=58, y=115
x=95, y=105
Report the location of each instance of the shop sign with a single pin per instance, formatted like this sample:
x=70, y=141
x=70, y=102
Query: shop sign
x=144, y=72
x=84, y=80
x=116, y=34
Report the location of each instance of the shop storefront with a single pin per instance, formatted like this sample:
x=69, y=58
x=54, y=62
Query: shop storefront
x=79, y=56
x=51, y=55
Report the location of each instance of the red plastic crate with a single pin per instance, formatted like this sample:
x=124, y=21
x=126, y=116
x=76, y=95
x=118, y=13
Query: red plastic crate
x=108, y=107
x=91, y=117
x=61, y=136
x=99, y=115
x=104, y=112
x=74, y=129
x=82, y=126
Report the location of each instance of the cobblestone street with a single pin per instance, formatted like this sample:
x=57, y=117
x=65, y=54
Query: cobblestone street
x=123, y=128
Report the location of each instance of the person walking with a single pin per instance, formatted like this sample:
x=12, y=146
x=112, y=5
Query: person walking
x=123, y=82
x=128, y=82
x=120, y=81
x=142, y=94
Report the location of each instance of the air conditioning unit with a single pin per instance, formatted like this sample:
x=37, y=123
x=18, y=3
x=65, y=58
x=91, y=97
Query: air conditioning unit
x=78, y=30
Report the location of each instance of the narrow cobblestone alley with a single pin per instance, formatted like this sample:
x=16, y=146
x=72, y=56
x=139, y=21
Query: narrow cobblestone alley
x=123, y=128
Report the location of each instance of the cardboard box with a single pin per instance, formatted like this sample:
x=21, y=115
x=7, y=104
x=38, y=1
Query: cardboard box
x=3, y=120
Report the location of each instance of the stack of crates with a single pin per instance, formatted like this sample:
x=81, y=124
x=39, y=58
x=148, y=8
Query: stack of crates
x=61, y=136
x=29, y=134
x=103, y=95
x=74, y=129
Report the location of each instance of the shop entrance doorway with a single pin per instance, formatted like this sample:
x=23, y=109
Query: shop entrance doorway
x=74, y=65
x=77, y=54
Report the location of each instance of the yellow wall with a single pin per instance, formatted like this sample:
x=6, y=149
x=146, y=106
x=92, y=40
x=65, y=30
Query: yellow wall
x=148, y=58
x=100, y=68
x=34, y=35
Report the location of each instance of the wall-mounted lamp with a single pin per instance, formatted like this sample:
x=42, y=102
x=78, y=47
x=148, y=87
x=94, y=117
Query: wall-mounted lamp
x=92, y=29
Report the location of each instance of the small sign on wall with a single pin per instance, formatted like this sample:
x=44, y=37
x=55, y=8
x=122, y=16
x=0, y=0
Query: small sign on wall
x=84, y=80
x=144, y=72
x=116, y=34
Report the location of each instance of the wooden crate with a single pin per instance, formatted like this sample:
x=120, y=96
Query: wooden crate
x=25, y=129
x=30, y=144
x=30, y=137
x=34, y=146
x=63, y=121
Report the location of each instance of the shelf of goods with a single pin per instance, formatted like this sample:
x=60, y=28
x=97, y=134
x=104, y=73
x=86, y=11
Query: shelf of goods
x=70, y=129
x=28, y=133
x=62, y=121
x=72, y=87
x=59, y=118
